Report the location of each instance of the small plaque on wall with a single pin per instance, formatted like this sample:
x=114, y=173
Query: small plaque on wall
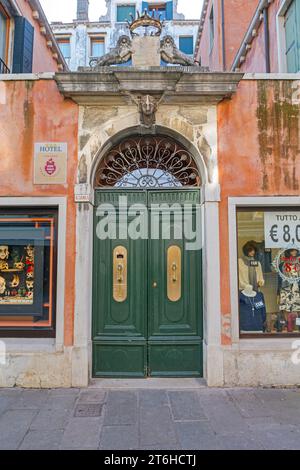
x=50, y=163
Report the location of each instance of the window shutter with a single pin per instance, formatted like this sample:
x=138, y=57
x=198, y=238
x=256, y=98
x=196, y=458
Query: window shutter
x=169, y=10
x=145, y=6
x=292, y=30
x=23, y=46
x=123, y=12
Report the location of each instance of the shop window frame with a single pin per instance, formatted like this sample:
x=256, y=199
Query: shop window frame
x=251, y=204
x=15, y=339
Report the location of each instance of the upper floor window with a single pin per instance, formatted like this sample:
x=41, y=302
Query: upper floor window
x=124, y=12
x=159, y=9
x=4, y=30
x=163, y=10
x=65, y=47
x=97, y=47
x=292, y=36
x=212, y=28
x=186, y=44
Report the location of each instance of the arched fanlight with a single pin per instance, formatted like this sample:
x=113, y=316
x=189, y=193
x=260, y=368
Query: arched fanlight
x=148, y=162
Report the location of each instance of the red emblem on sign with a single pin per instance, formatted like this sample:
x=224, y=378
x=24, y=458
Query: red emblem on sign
x=50, y=167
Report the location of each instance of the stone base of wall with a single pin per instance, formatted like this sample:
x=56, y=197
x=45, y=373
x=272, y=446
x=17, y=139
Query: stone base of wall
x=260, y=368
x=65, y=369
x=229, y=368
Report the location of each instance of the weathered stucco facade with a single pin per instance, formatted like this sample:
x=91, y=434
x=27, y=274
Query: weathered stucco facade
x=244, y=134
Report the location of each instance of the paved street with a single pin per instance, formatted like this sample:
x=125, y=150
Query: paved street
x=150, y=418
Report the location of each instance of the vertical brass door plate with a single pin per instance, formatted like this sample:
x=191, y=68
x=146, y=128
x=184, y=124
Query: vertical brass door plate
x=174, y=273
x=120, y=274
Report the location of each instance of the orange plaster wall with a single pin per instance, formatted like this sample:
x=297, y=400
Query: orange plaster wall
x=238, y=15
x=34, y=111
x=42, y=55
x=255, y=58
x=259, y=154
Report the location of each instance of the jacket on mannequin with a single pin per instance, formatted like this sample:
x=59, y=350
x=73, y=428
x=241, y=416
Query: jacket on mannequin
x=253, y=313
x=244, y=274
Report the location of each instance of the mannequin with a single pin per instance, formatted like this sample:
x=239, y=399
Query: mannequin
x=250, y=270
x=253, y=313
x=288, y=291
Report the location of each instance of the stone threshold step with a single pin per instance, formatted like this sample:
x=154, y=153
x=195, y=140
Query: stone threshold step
x=150, y=383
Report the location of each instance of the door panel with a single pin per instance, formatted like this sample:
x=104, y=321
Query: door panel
x=153, y=324
x=119, y=322
x=175, y=326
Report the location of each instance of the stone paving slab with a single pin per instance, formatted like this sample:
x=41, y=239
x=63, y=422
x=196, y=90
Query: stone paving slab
x=166, y=418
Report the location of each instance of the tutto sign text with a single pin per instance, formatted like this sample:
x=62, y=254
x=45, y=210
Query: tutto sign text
x=282, y=229
x=50, y=163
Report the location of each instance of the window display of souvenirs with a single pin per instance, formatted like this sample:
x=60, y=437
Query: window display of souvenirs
x=16, y=275
x=28, y=270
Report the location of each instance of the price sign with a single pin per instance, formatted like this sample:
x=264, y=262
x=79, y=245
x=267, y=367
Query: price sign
x=282, y=229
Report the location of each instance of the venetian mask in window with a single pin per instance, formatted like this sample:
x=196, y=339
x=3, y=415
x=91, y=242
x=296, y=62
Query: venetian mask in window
x=29, y=285
x=4, y=252
x=30, y=275
x=2, y=285
x=15, y=282
x=30, y=252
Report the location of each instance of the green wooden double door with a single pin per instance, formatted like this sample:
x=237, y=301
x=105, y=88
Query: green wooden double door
x=147, y=290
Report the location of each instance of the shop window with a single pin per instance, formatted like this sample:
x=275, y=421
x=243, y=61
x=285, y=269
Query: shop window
x=27, y=272
x=4, y=31
x=292, y=35
x=269, y=271
x=65, y=47
x=124, y=12
x=97, y=47
x=186, y=44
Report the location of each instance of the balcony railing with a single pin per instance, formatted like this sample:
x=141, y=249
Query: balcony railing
x=3, y=67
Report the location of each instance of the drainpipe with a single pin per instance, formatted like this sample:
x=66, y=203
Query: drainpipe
x=223, y=35
x=267, y=40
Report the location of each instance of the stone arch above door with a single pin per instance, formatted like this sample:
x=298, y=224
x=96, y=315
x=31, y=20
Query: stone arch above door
x=195, y=128
x=197, y=169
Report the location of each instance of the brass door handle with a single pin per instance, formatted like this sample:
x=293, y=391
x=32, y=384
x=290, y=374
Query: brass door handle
x=120, y=271
x=154, y=285
x=174, y=269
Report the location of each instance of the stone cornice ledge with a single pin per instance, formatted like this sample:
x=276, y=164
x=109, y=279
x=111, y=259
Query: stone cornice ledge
x=176, y=85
